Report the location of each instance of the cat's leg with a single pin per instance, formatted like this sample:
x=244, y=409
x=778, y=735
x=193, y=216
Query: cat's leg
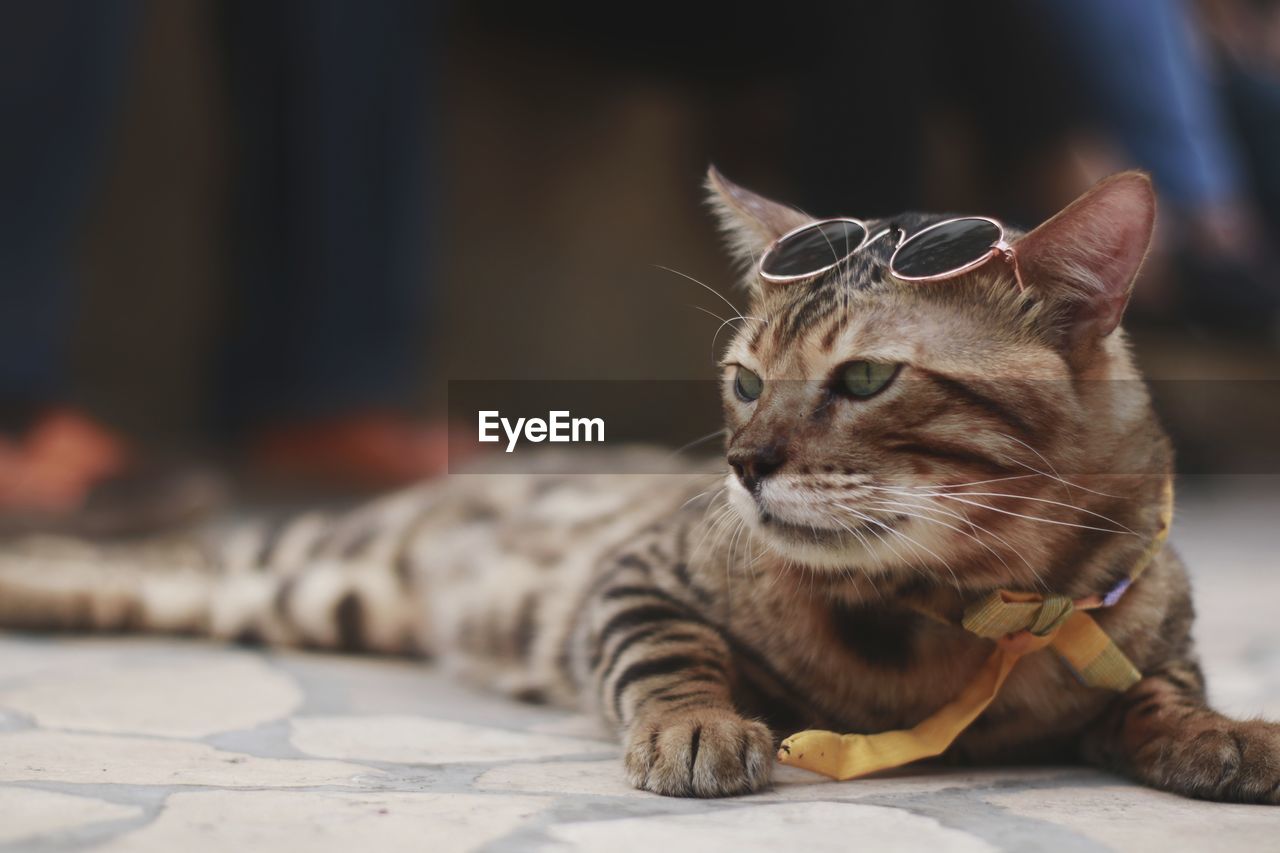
x=662, y=673
x=1162, y=732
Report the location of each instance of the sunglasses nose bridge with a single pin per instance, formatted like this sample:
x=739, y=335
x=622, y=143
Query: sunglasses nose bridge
x=888, y=230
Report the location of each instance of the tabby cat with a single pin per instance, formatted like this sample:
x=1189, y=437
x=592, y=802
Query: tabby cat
x=991, y=437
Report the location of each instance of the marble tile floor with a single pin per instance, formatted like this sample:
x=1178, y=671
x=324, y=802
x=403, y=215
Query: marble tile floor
x=148, y=744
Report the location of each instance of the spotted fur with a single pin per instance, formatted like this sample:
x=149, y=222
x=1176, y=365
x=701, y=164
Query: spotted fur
x=706, y=615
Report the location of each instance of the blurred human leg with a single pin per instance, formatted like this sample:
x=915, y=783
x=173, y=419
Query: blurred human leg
x=1139, y=63
x=331, y=229
x=331, y=210
x=61, y=67
x=1144, y=70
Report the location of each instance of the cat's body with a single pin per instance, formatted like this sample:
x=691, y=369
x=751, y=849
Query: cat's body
x=817, y=584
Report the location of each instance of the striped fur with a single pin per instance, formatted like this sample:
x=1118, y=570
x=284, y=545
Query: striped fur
x=704, y=618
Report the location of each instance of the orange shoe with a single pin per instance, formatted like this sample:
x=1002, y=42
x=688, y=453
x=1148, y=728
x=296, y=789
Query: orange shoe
x=53, y=467
x=373, y=450
x=69, y=474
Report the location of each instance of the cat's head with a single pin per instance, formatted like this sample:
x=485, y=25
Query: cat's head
x=880, y=424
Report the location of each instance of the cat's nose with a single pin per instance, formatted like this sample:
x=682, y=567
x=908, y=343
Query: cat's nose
x=754, y=465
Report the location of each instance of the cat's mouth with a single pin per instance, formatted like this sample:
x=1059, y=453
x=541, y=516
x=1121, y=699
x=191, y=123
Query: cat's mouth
x=814, y=534
x=816, y=529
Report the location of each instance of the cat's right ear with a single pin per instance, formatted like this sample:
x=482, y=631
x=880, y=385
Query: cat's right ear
x=750, y=222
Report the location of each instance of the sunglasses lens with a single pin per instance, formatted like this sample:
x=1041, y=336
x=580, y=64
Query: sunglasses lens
x=813, y=249
x=947, y=248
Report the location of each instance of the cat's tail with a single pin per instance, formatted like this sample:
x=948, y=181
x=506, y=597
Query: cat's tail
x=261, y=585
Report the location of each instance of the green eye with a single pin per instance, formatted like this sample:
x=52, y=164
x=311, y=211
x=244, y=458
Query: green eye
x=747, y=385
x=866, y=378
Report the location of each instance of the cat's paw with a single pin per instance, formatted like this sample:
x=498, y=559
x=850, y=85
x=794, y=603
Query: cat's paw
x=1237, y=763
x=707, y=752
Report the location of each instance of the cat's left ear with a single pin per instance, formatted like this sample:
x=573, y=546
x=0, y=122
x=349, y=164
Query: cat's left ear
x=1084, y=260
x=750, y=222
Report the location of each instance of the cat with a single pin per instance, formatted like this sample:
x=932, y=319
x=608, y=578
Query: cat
x=1008, y=443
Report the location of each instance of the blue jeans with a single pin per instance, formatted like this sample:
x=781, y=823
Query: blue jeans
x=1138, y=66
x=61, y=66
x=330, y=217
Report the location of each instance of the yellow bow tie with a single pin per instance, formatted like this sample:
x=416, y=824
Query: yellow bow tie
x=1020, y=623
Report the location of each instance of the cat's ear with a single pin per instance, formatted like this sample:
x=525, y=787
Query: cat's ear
x=1084, y=260
x=750, y=222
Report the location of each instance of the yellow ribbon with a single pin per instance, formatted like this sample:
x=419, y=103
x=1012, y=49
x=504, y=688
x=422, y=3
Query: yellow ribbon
x=1020, y=623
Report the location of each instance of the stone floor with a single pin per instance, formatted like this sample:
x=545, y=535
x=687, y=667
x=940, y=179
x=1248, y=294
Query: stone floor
x=135, y=744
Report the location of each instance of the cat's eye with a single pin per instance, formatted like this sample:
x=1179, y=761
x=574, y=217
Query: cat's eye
x=747, y=385
x=865, y=378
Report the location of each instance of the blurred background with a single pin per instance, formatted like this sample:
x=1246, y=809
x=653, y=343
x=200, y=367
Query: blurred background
x=267, y=233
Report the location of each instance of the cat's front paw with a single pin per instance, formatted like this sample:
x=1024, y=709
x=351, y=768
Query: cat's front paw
x=1237, y=763
x=707, y=752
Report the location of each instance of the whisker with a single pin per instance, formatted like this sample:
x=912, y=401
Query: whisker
x=1055, y=475
x=720, y=328
x=709, y=313
x=1097, y=515
x=930, y=519
x=862, y=540
x=730, y=566
x=701, y=494
x=880, y=537
x=724, y=512
x=985, y=482
x=961, y=516
x=695, y=443
x=1041, y=457
x=703, y=285
x=866, y=545
x=1035, y=518
x=932, y=508
x=909, y=540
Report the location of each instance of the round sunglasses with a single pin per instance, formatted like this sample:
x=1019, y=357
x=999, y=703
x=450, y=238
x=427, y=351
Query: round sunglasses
x=942, y=251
